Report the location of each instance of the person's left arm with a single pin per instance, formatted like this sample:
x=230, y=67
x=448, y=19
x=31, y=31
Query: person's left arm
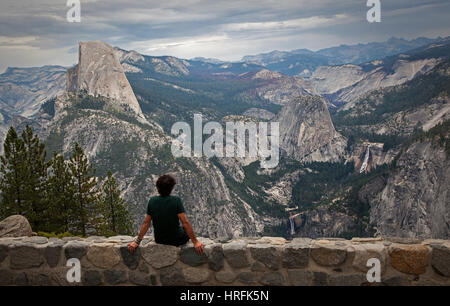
x=144, y=228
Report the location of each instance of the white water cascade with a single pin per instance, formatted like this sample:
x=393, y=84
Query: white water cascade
x=291, y=221
x=366, y=160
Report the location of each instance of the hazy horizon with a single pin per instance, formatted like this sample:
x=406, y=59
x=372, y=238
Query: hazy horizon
x=35, y=34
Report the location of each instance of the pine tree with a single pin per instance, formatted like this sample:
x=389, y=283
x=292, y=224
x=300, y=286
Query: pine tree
x=60, y=195
x=23, y=174
x=12, y=175
x=85, y=191
x=113, y=209
x=35, y=179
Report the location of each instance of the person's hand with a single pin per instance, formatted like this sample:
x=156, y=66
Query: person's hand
x=198, y=246
x=132, y=246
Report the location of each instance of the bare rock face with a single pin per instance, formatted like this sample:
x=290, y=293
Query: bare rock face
x=307, y=132
x=259, y=113
x=15, y=226
x=24, y=90
x=413, y=201
x=346, y=83
x=403, y=71
x=276, y=87
x=99, y=73
x=322, y=222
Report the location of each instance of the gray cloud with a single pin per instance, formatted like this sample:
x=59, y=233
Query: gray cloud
x=34, y=33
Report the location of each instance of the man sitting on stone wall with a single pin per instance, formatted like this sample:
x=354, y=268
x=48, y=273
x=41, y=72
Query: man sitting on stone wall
x=166, y=211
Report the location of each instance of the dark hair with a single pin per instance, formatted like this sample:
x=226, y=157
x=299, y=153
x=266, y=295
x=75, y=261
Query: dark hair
x=165, y=184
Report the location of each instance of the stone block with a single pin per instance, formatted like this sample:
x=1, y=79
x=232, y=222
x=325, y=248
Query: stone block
x=411, y=259
x=75, y=249
x=41, y=279
x=258, y=267
x=35, y=240
x=320, y=279
x=440, y=259
x=267, y=254
x=225, y=276
x=25, y=256
x=6, y=277
x=273, y=279
x=195, y=275
x=52, y=254
x=300, y=277
x=396, y=281
x=131, y=260
x=247, y=277
x=328, y=254
x=271, y=240
x=346, y=280
x=21, y=279
x=215, y=257
x=142, y=279
x=172, y=276
x=115, y=277
x=103, y=255
x=236, y=254
x=363, y=252
x=3, y=252
x=159, y=255
x=92, y=278
x=296, y=256
x=403, y=240
x=189, y=256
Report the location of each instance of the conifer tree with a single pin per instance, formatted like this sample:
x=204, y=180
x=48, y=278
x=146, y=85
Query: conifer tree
x=12, y=175
x=23, y=172
x=35, y=179
x=85, y=191
x=60, y=195
x=113, y=209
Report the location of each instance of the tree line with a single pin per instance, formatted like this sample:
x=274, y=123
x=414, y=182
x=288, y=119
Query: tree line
x=58, y=195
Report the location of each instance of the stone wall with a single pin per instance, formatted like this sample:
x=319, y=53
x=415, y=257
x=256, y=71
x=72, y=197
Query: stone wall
x=246, y=261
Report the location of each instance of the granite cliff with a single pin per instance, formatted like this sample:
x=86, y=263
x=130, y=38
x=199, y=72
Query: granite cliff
x=99, y=73
x=307, y=132
x=413, y=199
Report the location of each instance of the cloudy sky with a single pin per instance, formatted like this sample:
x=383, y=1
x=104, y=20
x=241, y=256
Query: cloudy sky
x=36, y=33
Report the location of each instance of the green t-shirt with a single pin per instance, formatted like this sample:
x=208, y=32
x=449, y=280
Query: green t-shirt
x=164, y=212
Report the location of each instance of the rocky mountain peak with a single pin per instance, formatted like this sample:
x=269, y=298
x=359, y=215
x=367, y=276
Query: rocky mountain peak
x=99, y=73
x=307, y=132
x=266, y=74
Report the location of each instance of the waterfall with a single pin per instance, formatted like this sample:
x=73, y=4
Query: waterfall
x=366, y=159
x=291, y=221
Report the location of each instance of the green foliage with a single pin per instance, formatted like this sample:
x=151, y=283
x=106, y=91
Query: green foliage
x=60, y=195
x=389, y=141
x=60, y=198
x=13, y=175
x=318, y=178
x=438, y=135
x=23, y=177
x=214, y=98
x=113, y=217
x=279, y=230
x=59, y=235
x=85, y=193
x=119, y=158
x=49, y=107
x=84, y=101
x=254, y=199
x=412, y=94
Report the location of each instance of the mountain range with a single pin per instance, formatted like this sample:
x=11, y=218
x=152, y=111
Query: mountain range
x=363, y=133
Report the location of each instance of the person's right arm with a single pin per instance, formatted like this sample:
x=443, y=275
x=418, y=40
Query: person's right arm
x=198, y=246
x=144, y=228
